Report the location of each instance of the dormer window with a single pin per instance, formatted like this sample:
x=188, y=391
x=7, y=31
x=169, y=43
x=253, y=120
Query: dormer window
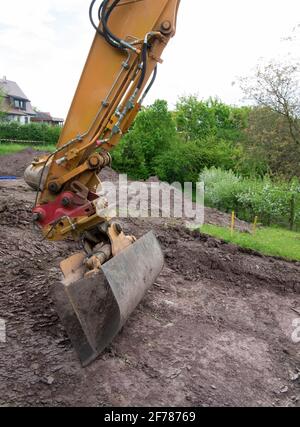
x=19, y=104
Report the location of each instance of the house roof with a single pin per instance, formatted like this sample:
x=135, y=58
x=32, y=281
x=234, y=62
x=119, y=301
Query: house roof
x=43, y=116
x=8, y=108
x=40, y=115
x=11, y=88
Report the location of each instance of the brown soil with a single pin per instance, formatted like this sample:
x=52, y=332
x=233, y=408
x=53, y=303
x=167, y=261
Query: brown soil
x=15, y=164
x=215, y=329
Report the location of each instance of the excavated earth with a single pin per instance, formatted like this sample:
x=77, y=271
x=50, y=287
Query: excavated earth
x=216, y=329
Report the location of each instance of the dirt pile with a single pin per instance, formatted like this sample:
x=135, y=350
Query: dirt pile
x=216, y=328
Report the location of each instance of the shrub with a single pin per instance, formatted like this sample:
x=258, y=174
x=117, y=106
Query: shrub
x=273, y=202
x=129, y=158
x=198, y=119
x=181, y=163
x=152, y=133
x=153, y=146
x=221, y=188
x=40, y=133
x=184, y=161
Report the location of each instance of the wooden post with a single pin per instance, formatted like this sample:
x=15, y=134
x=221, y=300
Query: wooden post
x=255, y=225
x=232, y=222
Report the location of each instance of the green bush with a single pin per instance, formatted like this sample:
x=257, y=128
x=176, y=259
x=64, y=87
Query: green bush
x=40, y=133
x=221, y=188
x=276, y=203
x=178, y=146
x=181, y=163
x=152, y=133
x=184, y=161
x=196, y=119
x=129, y=158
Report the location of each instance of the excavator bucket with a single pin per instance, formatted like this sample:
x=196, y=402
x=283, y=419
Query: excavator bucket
x=94, y=308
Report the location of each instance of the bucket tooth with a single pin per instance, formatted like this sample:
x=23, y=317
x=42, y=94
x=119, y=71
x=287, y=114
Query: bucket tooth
x=94, y=309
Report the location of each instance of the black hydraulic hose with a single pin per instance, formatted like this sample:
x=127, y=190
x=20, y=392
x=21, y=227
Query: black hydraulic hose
x=100, y=11
x=102, y=33
x=92, y=19
x=104, y=15
x=105, y=22
x=150, y=84
x=144, y=67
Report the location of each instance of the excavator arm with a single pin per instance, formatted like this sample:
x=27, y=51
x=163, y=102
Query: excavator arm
x=103, y=284
x=127, y=47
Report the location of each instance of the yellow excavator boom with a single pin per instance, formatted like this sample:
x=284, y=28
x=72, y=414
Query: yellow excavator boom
x=106, y=281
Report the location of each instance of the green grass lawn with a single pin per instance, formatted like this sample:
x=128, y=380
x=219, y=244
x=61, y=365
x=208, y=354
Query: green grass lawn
x=268, y=241
x=15, y=148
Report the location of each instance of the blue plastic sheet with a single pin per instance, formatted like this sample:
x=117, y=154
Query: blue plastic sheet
x=7, y=178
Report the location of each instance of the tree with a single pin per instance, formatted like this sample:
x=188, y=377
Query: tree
x=181, y=163
x=198, y=119
x=155, y=130
x=275, y=86
x=152, y=133
x=206, y=135
x=129, y=158
x=184, y=161
x=268, y=146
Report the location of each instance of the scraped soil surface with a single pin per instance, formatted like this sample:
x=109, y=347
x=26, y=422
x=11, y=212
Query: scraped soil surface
x=215, y=329
x=15, y=164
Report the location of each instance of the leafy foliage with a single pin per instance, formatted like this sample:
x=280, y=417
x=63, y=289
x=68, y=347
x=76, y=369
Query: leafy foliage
x=268, y=146
x=184, y=161
x=178, y=146
x=275, y=86
x=152, y=133
x=273, y=202
x=199, y=119
x=40, y=133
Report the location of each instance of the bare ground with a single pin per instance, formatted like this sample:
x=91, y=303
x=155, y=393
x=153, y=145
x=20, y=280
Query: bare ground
x=215, y=330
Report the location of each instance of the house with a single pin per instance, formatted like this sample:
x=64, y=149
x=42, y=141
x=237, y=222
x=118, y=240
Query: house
x=41, y=117
x=15, y=105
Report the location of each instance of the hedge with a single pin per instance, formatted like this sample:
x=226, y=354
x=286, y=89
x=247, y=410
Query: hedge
x=36, y=134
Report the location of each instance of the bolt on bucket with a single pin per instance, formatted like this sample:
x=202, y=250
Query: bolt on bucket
x=93, y=309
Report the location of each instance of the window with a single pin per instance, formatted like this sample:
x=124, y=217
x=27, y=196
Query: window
x=19, y=104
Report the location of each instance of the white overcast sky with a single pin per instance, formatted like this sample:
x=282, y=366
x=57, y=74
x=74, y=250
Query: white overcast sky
x=44, y=44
